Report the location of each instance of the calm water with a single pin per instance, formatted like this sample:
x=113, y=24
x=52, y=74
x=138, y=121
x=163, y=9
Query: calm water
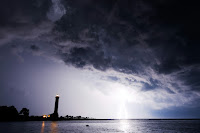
x=98, y=126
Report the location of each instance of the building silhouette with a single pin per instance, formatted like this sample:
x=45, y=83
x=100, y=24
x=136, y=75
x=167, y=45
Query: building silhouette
x=55, y=115
x=56, y=106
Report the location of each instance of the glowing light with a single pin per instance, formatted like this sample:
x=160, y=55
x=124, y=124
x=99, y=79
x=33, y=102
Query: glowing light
x=122, y=112
x=48, y=115
x=123, y=97
x=57, y=95
x=44, y=116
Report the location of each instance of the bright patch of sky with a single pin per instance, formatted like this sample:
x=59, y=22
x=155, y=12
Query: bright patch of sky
x=85, y=92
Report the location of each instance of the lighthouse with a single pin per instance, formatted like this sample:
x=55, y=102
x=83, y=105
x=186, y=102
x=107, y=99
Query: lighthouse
x=55, y=114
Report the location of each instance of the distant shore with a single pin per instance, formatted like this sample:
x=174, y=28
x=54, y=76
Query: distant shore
x=11, y=114
x=93, y=120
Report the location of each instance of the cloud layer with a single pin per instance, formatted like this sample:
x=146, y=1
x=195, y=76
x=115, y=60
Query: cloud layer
x=155, y=42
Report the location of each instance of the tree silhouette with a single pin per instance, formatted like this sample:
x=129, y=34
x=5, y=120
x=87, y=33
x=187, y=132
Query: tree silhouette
x=25, y=112
x=8, y=113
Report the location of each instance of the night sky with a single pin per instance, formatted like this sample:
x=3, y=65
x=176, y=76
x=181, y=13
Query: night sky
x=105, y=58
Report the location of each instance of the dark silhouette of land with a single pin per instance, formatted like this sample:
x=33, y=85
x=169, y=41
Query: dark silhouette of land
x=11, y=114
x=8, y=113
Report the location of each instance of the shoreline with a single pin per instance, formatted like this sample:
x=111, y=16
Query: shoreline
x=95, y=120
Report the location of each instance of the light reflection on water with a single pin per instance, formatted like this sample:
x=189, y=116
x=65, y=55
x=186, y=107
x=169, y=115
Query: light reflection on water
x=99, y=126
x=54, y=128
x=42, y=128
x=124, y=126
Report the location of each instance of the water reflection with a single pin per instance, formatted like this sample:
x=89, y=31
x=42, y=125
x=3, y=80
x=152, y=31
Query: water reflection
x=124, y=126
x=54, y=128
x=42, y=128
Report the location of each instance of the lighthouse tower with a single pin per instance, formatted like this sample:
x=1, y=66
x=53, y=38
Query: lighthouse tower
x=55, y=114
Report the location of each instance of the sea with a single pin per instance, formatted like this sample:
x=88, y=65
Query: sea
x=102, y=126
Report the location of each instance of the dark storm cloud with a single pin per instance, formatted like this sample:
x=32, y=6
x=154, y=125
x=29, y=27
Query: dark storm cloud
x=182, y=48
x=34, y=48
x=191, y=78
x=104, y=28
x=23, y=20
x=84, y=56
x=14, y=13
x=129, y=36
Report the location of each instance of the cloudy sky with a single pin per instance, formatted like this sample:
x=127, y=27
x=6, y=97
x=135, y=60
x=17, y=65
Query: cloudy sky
x=105, y=58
